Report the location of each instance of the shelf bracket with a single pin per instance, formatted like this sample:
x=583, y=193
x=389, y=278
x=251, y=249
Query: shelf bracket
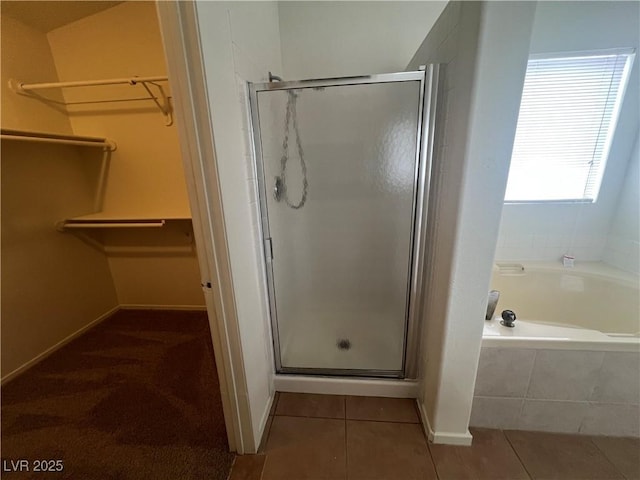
x=165, y=106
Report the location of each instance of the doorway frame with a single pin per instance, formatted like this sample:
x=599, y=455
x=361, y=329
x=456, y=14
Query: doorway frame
x=185, y=68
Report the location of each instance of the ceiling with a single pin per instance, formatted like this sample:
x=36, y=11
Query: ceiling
x=49, y=15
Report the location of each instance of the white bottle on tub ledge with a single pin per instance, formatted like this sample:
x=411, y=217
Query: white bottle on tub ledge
x=568, y=261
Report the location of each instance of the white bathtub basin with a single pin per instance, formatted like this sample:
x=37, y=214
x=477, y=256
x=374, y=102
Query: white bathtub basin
x=591, y=306
x=591, y=295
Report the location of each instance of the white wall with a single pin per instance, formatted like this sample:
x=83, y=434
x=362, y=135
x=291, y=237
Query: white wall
x=241, y=41
x=26, y=57
x=335, y=39
x=484, y=47
x=547, y=231
x=53, y=284
x=623, y=243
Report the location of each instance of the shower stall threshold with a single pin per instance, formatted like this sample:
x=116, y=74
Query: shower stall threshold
x=373, y=387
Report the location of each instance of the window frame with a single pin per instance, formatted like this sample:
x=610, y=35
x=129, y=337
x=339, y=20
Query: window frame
x=630, y=52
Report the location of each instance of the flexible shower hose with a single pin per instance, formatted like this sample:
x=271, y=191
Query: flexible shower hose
x=292, y=117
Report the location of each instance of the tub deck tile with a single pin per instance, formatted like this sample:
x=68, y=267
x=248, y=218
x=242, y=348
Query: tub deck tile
x=504, y=372
x=564, y=374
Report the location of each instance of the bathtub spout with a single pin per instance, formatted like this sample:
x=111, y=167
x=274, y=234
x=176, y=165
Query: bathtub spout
x=494, y=295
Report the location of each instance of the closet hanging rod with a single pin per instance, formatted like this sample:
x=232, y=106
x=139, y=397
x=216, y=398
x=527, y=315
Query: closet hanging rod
x=25, y=87
x=16, y=135
x=113, y=224
x=75, y=223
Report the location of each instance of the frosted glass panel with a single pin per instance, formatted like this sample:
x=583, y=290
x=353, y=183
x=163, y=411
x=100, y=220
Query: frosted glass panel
x=341, y=261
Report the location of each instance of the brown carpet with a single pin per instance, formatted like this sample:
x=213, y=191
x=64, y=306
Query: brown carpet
x=136, y=397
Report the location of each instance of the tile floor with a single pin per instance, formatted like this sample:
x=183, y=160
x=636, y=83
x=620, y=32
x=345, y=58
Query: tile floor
x=366, y=438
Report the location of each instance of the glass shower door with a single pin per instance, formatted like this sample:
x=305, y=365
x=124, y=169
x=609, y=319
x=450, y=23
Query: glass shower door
x=338, y=170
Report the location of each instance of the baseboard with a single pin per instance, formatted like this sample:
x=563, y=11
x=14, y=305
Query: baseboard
x=426, y=425
x=450, y=438
x=346, y=386
x=93, y=323
x=58, y=345
x=445, y=438
x=139, y=306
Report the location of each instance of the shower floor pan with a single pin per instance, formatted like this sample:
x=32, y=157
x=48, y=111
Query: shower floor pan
x=369, y=344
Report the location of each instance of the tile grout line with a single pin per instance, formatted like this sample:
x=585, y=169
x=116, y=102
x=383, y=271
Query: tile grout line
x=235, y=457
x=526, y=392
x=606, y=457
x=273, y=417
x=266, y=440
x=264, y=464
x=435, y=467
x=307, y=416
x=516, y=453
x=351, y=419
x=266, y=456
x=346, y=450
x=382, y=421
x=595, y=383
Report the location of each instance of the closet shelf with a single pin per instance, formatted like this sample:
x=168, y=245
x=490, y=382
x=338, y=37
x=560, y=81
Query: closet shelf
x=41, y=137
x=103, y=220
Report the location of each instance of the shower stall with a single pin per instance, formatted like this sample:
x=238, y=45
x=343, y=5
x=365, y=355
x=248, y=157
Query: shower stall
x=343, y=170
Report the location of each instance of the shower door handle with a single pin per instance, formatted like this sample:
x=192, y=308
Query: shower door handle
x=268, y=248
x=277, y=189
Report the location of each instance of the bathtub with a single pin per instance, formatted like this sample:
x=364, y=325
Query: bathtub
x=571, y=364
x=591, y=297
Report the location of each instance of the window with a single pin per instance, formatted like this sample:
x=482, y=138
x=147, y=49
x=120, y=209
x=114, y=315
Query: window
x=568, y=114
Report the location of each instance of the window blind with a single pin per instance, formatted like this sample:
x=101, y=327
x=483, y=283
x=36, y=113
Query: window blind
x=567, y=119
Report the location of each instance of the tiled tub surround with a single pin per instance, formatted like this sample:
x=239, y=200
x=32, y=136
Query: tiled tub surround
x=573, y=364
x=591, y=392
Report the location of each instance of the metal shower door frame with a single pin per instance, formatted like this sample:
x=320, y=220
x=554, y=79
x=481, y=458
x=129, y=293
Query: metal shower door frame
x=428, y=79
